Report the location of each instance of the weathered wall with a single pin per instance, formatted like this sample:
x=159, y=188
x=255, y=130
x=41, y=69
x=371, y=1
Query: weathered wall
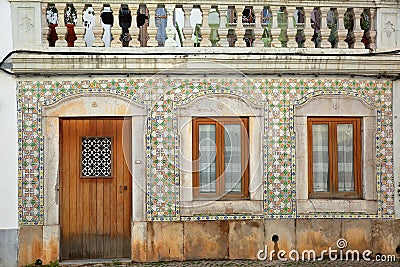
x=9, y=148
x=175, y=241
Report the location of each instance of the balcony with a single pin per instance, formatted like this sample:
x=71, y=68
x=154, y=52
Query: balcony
x=295, y=24
x=302, y=37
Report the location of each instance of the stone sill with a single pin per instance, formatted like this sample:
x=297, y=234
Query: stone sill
x=305, y=206
x=250, y=207
x=206, y=60
x=209, y=50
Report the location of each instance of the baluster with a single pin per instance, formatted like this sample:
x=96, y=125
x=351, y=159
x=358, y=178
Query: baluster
x=213, y=23
x=372, y=45
x=240, y=30
x=342, y=31
x=358, y=32
x=348, y=22
x=115, y=29
x=152, y=28
x=291, y=28
x=179, y=24
x=187, y=29
x=258, y=31
x=52, y=23
x=223, y=30
x=79, y=27
x=308, y=30
x=134, y=31
x=61, y=42
x=205, y=28
x=196, y=20
x=89, y=21
x=275, y=30
x=325, y=31
x=170, y=30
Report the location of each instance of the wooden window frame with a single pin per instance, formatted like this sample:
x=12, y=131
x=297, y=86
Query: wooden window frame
x=332, y=123
x=220, y=159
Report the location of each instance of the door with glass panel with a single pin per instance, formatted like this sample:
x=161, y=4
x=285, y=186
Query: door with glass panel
x=334, y=157
x=220, y=157
x=95, y=188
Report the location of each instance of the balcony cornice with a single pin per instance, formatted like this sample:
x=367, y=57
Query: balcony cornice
x=352, y=3
x=148, y=61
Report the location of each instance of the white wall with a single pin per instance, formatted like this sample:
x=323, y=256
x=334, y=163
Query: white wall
x=8, y=130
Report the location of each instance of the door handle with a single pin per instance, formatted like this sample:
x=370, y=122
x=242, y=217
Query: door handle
x=125, y=188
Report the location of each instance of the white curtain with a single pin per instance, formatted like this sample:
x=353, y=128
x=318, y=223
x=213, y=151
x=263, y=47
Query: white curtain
x=345, y=157
x=320, y=157
x=207, y=164
x=233, y=158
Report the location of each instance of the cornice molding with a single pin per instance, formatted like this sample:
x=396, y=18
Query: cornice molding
x=248, y=61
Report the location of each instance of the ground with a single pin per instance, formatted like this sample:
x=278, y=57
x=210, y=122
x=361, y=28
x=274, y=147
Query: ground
x=240, y=263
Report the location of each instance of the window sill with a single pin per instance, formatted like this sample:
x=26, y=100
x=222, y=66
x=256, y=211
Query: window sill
x=305, y=206
x=220, y=207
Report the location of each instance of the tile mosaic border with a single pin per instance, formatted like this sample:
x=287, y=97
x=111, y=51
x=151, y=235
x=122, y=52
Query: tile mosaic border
x=162, y=97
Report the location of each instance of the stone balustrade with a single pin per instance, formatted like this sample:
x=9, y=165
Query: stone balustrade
x=296, y=24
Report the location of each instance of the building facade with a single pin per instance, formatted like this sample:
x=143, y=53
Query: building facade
x=183, y=131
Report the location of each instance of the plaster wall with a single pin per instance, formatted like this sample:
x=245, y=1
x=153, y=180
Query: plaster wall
x=8, y=131
x=9, y=148
x=8, y=156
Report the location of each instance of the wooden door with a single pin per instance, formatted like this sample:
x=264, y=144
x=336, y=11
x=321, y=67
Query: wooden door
x=95, y=188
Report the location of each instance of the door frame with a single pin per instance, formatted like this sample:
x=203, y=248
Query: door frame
x=89, y=105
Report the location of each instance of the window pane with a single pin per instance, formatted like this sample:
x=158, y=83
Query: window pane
x=320, y=157
x=233, y=158
x=345, y=157
x=207, y=155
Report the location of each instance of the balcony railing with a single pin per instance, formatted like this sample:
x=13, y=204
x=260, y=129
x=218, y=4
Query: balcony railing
x=312, y=24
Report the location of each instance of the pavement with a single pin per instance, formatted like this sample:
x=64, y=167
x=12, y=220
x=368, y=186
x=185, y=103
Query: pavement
x=237, y=263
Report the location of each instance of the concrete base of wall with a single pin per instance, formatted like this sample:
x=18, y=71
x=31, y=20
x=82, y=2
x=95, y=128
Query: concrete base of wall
x=167, y=241
x=178, y=241
x=38, y=242
x=8, y=247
